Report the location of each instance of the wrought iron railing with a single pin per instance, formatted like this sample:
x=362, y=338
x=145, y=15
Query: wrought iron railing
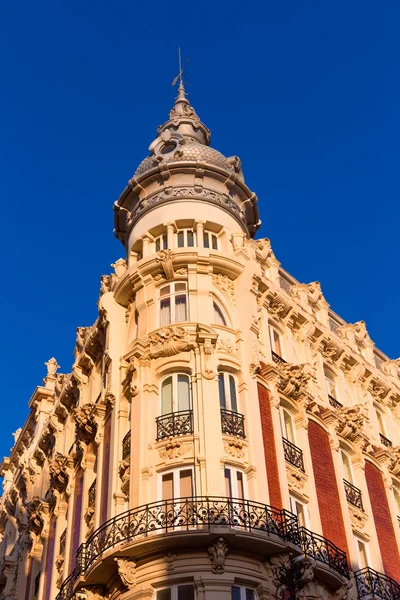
x=126, y=445
x=92, y=495
x=232, y=423
x=175, y=424
x=372, y=583
x=319, y=548
x=277, y=359
x=353, y=494
x=385, y=441
x=398, y=520
x=333, y=402
x=293, y=454
x=182, y=514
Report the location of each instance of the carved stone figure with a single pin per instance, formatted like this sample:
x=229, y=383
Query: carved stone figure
x=218, y=552
x=58, y=467
x=352, y=420
x=169, y=341
x=85, y=422
x=293, y=380
x=127, y=571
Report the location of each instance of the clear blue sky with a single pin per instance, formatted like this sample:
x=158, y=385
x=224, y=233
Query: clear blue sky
x=305, y=92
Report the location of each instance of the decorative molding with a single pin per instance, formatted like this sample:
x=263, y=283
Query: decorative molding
x=352, y=421
x=175, y=449
x=169, y=341
x=290, y=575
x=217, y=553
x=225, y=284
x=85, y=422
x=127, y=571
x=235, y=448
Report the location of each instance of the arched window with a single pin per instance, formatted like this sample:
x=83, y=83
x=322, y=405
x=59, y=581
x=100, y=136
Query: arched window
x=219, y=318
x=227, y=392
x=175, y=393
x=173, y=303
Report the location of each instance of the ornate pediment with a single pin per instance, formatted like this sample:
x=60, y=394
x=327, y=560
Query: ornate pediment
x=169, y=341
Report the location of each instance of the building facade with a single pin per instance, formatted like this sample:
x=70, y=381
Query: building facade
x=223, y=435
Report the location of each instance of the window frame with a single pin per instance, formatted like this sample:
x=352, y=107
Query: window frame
x=175, y=392
x=233, y=483
x=211, y=237
x=172, y=296
x=218, y=310
x=273, y=342
x=185, y=231
x=228, y=377
x=161, y=241
x=294, y=501
x=330, y=378
x=358, y=540
x=396, y=495
x=243, y=591
x=175, y=590
x=343, y=453
x=175, y=481
x=282, y=412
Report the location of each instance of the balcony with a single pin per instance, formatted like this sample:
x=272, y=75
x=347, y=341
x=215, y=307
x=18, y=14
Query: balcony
x=293, y=454
x=175, y=424
x=194, y=516
x=385, y=441
x=353, y=494
x=126, y=446
x=277, y=359
x=333, y=402
x=371, y=583
x=232, y=423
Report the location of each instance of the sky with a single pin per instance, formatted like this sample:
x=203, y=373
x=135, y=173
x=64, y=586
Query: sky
x=306, y=92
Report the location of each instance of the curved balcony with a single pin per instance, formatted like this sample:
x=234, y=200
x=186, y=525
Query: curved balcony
x=371, y=583
x=268, y=528
x=174, y=424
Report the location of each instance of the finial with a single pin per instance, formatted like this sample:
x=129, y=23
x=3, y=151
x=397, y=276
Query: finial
x=179, y=77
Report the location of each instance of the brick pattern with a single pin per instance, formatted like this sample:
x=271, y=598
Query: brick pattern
x=105, y=471
x=77, y=515
x=383, y=521
x=326, y=486
x=271, y=462
x=50, y=558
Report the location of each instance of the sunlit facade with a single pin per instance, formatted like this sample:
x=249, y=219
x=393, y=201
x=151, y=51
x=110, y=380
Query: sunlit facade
x=223, y=435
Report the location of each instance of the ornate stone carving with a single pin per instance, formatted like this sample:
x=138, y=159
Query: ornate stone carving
x=93, y=592
x=378, y=389
x=311, y=291
x=81, y=336
x=291, y=575
x=58, y=468
x=234, y=448
x=352, y=421
x=174, y=449
x=226, y=345
x=85, y=422
x=225, y=284
x=278, y=306
x=124, y=470
x=358, y=518
x=47, y=441
x=343, y=591
x=127, y=571
x=331, y=350
x=169, y=341
x=170, y=560
x=52, y=366
x=165, y=258
x=217, y=553
x=394, y=465
x=119, y=267
x=264, y=249
x=296, y=478
x=105, y=284
x=34, y=514
x=293, y=379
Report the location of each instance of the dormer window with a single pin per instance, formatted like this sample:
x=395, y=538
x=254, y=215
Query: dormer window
x=173, y=303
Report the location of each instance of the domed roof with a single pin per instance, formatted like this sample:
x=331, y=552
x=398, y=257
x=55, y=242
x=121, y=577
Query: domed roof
x=175, y=150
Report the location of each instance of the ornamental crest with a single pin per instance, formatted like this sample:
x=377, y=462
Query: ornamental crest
x=169, y=341
x=352, y=421
x=293, y=380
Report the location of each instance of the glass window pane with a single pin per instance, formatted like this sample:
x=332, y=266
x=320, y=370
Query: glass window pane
x=219, y=318
x=206, y=240
x=180, y=287
x=301, y=514
x=277, y=343
x=232, y=391
x=165, y=312
x=186, y=485
x=165, y=241
x=240, y=486
x=362, y=553
x=166, y=396
x=168, y=486
x=221, y=388
x=250, y=594
x=181, y=241
x=158, y=244
x=185, y=592
x=214, y=242
x=164, y=291
x=380, y=422
x=228, y=483
x=235, y=593
x=180, y=309
x=289, y=433
x=183, y=393
x=347, y=468
x=190, y=238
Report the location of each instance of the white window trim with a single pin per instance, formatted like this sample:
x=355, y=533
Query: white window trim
x=185, y=232
x=171, y=297
x=162, y=237
x=234, y=471
x=367, y=552
x=175, y=376
x=174, y=590
x=292, y=508
x=282, y=410
x=272, y=328
x=211, y=234
x=176, y=480
x=228, y=399
x=343, y=452
x=331, y=377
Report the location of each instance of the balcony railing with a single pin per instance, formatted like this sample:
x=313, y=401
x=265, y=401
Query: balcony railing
x=293, y=454
x=232, y=423
x=333, y=402
x=317, y=547
x=353, y=494
x=372, y=583
x=126, y=446
x=277, y=359
x=175, y=424
x=385, y=441
x=398, y=520
x=184, y=514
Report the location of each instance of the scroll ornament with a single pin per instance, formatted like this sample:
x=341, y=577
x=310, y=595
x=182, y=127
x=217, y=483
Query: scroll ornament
x=169, y=341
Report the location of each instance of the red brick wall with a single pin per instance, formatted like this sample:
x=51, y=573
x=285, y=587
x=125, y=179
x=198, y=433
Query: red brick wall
x=271, y=462
x=326, y=486
x=383, y=521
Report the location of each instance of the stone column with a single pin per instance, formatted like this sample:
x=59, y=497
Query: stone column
x=200, y=233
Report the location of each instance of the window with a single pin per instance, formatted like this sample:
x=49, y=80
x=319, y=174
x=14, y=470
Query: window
x=210, y=240
x=300, y=510
x=186, y=238
x=175, y=394
x=396, y=493
x=275, y=341
x=347, y=472
x=330, y=384
x=176, y=592
x=219, y=318
x=173, y=303
x=381, y=427
x=227, y=392
x=234, y=483
x=242, y=593
x=362, y=553
x=161, y=242
x=177, y=484
x=287, y=426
